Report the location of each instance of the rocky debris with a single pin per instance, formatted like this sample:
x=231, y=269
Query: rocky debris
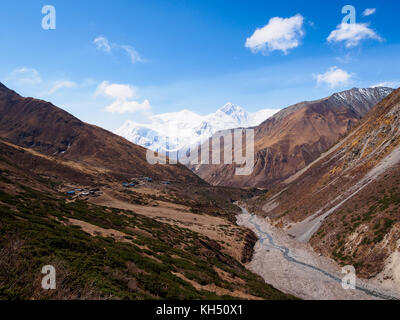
x=296, y=278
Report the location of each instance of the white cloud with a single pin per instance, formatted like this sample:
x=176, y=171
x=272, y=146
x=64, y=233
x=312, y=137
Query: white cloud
x=102, y=44
x=30, y=81
x=122, y=95
x=345, y=59
x=334, y=77
x=388, y=84
x=133, y=54
x=352, y=34
x=369, y=12
x=61, y=85
x=116, y=91
x=24, y=75
x=279, y=34
x=124, y=106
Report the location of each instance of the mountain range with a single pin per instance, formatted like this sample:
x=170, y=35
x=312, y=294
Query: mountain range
x=294, y=137
x=180, y=130
x=326, y=171
x=64, y=203
x=43, y=127
x=346, y=202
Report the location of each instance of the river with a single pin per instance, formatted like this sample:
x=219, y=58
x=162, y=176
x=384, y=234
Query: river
x=295, y=268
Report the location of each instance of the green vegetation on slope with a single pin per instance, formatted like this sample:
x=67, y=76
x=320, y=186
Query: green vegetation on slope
x=35, y=231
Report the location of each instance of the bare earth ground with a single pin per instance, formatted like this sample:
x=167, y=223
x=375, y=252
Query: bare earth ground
x=219, y=291
x=98, y=231
x=304, y=230
x=294, y=278
x=229, y=235
x=390, y=275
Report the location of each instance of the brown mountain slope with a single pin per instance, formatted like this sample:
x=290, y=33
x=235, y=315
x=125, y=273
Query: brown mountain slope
x=111, y=252
x=294, y=137
x=347, y=202
x=41, y=126
x=152, y=241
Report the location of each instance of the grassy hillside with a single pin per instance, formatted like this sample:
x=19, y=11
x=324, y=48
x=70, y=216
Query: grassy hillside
x=118, y=255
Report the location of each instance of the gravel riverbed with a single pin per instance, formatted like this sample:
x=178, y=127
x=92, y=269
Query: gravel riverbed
x=294, y=267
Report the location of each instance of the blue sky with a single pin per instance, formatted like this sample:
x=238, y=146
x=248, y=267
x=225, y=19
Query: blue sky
x=153, y=57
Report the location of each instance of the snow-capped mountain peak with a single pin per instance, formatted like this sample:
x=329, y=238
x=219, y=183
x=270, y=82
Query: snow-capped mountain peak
x=230, y=108
x=359, y=98
x=185, y=128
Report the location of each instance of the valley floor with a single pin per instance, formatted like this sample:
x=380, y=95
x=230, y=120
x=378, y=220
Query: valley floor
x=295, y=268
x=226, y=233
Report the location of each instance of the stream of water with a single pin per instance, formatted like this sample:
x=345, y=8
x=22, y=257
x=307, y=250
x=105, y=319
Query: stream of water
x=268, y=243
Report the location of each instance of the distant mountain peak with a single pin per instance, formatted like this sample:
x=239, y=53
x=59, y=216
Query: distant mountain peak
x=186, y=128
x=39, y=125
x=294, y=137
x=360, y=98
x=365, y=91
x=230, y=108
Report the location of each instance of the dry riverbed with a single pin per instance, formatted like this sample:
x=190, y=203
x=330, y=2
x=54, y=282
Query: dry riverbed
x=301, y=272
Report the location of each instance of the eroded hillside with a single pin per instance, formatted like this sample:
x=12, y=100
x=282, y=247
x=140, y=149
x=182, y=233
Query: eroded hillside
x=296, y=136
x=346, y=203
